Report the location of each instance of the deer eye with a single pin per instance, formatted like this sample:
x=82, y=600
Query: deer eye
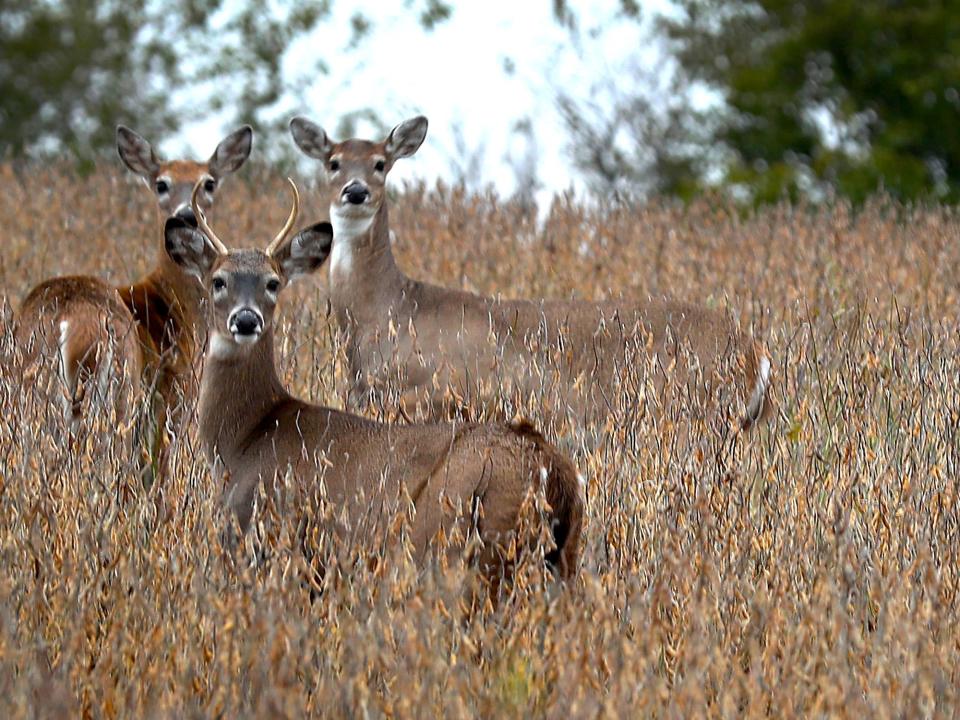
x=210, y=185
x=379, y=166
x=162, y=187
x=273, y=285
x=334, y=165
x=218, y=284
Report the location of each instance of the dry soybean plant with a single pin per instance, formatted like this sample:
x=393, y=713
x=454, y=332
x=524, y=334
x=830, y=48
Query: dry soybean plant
x=807, y=568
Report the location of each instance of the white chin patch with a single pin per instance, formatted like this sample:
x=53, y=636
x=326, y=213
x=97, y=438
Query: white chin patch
x=349, y=223
x=222, y=346
x=246, y=339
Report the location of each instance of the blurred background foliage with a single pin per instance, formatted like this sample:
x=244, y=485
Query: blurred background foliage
x=839, y=95
x=761, y=99
x=70, y=70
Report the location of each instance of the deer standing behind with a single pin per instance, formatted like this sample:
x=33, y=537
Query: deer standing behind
x=252, y=428
x=133, y=346
x=429, y=340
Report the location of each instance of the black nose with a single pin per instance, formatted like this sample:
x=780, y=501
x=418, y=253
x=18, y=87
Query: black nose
x=356, y=193
x=186, y=214
x=245, y=322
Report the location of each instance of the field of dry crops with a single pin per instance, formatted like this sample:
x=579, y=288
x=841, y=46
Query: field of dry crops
x=811, y=568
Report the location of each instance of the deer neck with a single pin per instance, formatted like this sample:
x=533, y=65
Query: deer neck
x=363, y=273
x=182, y=292
x=168, y=307
x=238, y=390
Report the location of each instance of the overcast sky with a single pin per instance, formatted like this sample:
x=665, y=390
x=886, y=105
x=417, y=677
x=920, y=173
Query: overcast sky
x=456, y=75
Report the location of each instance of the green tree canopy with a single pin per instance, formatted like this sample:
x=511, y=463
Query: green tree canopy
x=844, y=95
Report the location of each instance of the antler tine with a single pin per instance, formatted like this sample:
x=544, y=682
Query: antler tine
x=285, y=230
x=202, y=221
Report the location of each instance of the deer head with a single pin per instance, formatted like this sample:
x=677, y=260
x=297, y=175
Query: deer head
x=243, y=285
x=173, y=182
x=355, y=171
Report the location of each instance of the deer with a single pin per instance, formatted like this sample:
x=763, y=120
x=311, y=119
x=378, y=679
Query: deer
x=139, y=340
x=435, y=343
x=253, y=430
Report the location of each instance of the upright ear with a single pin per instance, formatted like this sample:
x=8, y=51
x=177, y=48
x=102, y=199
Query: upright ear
x=311, y=138
x=136, y=153
x=232, y=152
x=188, y=247
x=306, y=251
x=406, y=138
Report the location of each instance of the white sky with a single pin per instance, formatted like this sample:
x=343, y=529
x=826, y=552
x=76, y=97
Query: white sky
x=455, y=75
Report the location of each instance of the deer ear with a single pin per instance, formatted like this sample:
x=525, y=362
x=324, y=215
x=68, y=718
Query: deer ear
x=406, y=138
x=232, y=152
x=306, y=251
x=311, y=138
x=136, y=153
x=188, y=247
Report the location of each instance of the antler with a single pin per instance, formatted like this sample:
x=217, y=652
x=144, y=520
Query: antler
x=285, y=230
x=202, y=221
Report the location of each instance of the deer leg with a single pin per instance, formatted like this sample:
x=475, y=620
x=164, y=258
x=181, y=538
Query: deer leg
x=447, y=503
x=68, y=370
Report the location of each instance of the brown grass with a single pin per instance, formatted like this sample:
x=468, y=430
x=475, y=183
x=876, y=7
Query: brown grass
x=809, y=569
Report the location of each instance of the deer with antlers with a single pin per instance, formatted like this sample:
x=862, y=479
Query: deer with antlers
x=436, y=343
x=252, y=428
x=139, y=342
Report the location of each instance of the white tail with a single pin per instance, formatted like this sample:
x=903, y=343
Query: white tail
x=430, y=339
x=141, y=336
x=252, y=429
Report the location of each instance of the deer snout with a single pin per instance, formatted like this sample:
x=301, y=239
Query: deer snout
x=185, y=213
x=245, y=324
x=355, y=193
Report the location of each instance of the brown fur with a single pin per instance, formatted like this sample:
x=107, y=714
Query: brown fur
x=252, y=429
x=154, y=325
x=154, y=320
x=183, y=171
x=96, y=318
x=462, y=339
x=564, y=492
x=454, y=331
x=253, y=434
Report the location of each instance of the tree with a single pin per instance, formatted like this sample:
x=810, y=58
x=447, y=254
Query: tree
x=70, y=70
x=62, y=76
x=636, y=134
x=837, y=95
x=643, y=143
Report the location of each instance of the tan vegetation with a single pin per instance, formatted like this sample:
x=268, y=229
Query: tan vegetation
x=810, y=568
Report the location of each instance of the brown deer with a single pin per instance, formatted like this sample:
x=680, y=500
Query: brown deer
x=431, y=340
x=139, y=340
x=252, y=428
